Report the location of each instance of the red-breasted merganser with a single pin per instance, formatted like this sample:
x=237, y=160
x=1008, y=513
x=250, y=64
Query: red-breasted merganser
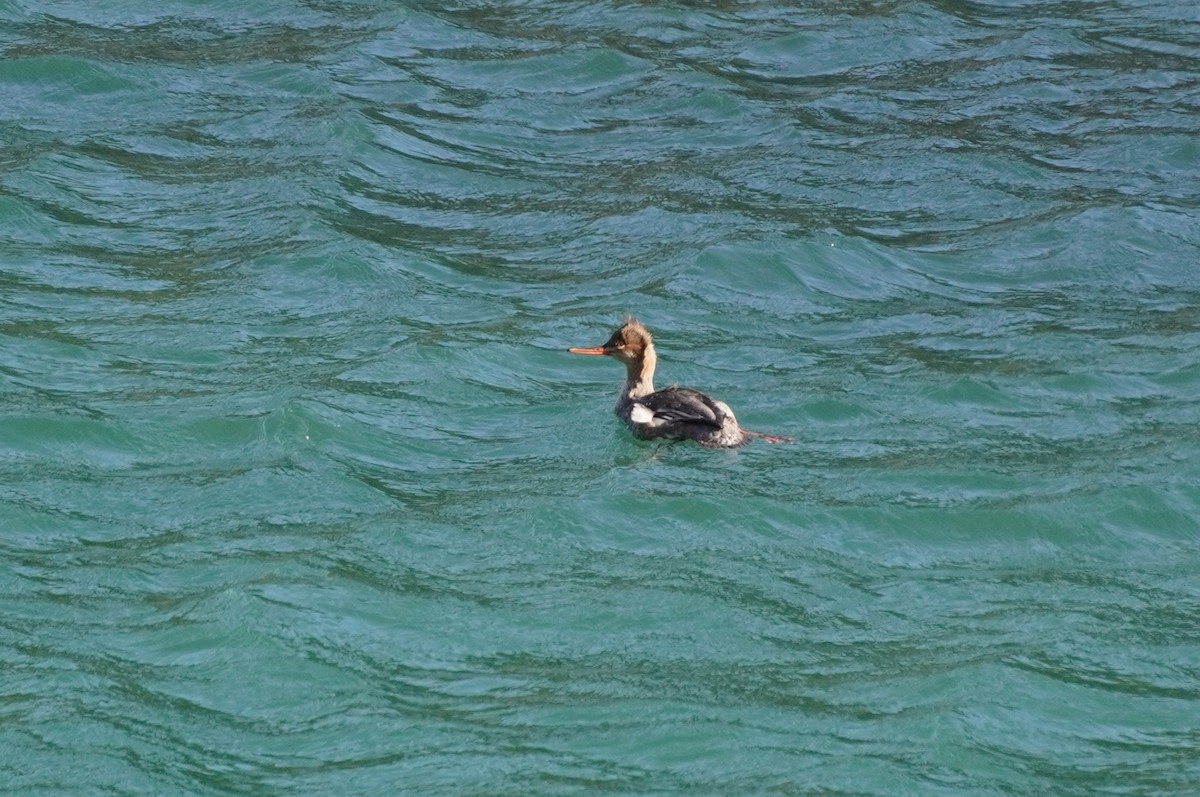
x=678, y=413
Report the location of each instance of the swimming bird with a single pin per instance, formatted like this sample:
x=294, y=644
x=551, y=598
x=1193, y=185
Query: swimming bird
x=677, y=413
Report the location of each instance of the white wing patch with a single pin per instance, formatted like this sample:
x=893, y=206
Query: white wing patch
x=725, y=409
x=644, y=416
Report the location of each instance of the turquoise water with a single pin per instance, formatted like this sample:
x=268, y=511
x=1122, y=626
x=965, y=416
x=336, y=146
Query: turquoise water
x=301, y=493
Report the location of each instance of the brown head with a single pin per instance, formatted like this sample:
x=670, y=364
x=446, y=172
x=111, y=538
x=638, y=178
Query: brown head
x=631, y=344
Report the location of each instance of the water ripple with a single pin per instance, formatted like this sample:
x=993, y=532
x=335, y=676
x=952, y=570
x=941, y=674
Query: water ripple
x=305, y=495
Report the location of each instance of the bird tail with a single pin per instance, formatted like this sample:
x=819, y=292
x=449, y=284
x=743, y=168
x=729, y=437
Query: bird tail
x=770, y=438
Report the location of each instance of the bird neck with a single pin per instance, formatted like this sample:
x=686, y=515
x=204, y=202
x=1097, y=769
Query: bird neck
x=639, y=376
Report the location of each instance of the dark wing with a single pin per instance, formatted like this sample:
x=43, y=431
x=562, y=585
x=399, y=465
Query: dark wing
x=683, y=405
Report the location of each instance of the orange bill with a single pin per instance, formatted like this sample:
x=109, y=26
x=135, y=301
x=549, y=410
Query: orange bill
x=595, y=350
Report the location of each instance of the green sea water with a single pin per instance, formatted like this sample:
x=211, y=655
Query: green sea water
x=301, y=494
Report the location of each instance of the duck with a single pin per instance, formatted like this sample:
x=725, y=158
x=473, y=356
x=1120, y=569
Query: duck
x=674, y=413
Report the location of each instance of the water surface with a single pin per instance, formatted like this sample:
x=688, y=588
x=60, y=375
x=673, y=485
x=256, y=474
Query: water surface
x=302, y=494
